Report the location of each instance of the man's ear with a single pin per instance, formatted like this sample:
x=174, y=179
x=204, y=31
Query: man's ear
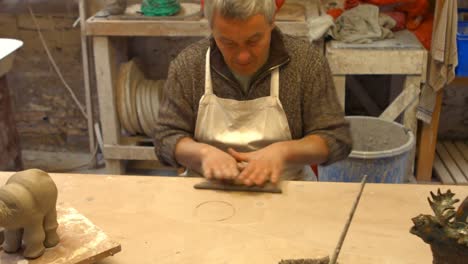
x=272, y=24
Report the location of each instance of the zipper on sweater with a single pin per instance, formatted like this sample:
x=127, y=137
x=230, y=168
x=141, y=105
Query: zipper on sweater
x=265, y=73
x=257, y=80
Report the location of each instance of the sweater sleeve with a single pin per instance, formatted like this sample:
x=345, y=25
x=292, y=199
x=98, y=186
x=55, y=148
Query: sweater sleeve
x=322, y=113
x=176, y=118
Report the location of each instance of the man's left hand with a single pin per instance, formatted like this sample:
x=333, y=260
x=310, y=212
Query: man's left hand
x=262, y=165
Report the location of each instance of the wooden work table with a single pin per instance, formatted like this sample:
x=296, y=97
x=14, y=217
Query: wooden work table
x=165, y=220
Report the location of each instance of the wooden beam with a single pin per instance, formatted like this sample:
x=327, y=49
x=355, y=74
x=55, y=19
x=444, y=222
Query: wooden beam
x=427, y=143
x=105, y=56
x=105, y=27
x=403, y=101
x=86, y=75
x=367, y=61
x=120, y=152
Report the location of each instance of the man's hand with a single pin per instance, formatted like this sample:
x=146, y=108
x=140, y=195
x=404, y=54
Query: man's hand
x=217, y=164
x=261, y=166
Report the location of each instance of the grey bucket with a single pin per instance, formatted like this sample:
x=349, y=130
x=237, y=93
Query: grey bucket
x=381, y=150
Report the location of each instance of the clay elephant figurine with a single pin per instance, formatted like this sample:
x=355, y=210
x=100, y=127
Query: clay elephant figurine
x=28, y=213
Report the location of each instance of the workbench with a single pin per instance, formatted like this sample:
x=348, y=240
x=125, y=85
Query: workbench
x=110, y=49
x=165, y=220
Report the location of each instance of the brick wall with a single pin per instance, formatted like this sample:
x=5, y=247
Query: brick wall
x=47, y=118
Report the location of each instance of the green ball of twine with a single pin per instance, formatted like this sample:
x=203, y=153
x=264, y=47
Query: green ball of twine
x=160, y=7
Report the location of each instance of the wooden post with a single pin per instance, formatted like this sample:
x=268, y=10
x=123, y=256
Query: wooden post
x=89, y=103
x=428, y=142
x=105, y=55
x=10, y=151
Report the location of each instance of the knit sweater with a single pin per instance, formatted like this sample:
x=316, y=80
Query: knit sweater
x=307, y=94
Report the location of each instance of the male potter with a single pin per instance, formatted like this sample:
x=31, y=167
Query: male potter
x=250, y=103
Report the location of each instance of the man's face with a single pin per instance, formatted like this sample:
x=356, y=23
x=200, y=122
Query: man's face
x=245, y=44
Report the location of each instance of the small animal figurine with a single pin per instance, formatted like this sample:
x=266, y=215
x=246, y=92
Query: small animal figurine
x=28, y=213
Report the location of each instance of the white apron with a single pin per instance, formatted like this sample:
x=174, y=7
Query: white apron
x=245, y=125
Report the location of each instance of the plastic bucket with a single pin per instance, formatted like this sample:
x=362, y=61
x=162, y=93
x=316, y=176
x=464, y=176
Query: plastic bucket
x=462, y=46
x=381, y=150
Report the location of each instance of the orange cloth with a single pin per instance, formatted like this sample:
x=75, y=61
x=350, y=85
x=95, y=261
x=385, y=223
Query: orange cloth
x=424, y=32
x=351, y=3
x=400, y=19
x=335, y=12
x=416, y=10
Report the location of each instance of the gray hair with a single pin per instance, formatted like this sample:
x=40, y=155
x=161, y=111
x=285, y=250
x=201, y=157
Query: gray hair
x=240, y=9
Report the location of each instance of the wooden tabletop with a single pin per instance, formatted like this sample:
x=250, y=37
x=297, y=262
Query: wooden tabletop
x=165, y=220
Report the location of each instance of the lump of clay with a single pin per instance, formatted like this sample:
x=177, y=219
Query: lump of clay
x=28, y=213
x=117, y=7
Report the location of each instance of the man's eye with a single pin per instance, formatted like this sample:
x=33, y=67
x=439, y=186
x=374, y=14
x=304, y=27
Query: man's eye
x=229, y=44
x=252, y=42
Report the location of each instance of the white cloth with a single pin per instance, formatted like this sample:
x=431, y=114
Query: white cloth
x=443, y=57
x=362, y=24
x=319, y=26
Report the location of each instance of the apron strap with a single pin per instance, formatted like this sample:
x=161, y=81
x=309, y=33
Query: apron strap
x=274, y=84
x=208, y=85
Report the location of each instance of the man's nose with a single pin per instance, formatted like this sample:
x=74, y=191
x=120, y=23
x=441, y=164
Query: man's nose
x=244, y=57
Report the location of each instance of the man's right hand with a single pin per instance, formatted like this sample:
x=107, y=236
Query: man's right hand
x=217, y=164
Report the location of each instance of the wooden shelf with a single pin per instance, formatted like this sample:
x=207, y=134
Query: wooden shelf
x=105, y=27
x=196, y=28
x=131, y=148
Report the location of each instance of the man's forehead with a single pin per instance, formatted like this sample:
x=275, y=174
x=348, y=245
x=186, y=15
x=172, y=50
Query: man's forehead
x=232, y=38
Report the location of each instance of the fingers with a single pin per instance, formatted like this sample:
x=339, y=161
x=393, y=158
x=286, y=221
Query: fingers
x=275, y=175
x=238, y=156
x=244, y=176
x=207, y=173
x=221, y=172
x=242, y=165
x=254, y=175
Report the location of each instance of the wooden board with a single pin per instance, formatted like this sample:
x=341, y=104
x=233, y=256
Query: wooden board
x=80, y=242
x=164, y=220
x=374, y=61
x=450, y=164
x=441, y=171
x=403, y=39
